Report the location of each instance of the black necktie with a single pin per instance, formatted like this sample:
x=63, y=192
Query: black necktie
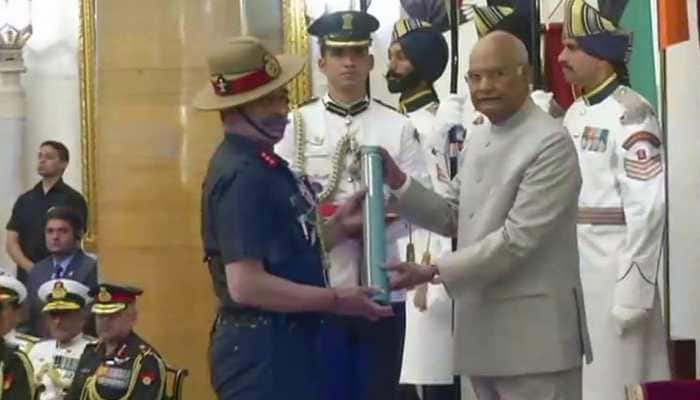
x=58, y=271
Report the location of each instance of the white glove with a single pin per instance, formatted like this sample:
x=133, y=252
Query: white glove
x=625, y=318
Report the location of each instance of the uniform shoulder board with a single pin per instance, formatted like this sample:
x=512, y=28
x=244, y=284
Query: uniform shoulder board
x=11, y=346
x=92, y=345
x=90, y=339
x=27, y=338
x=307, y=102
x=147, y=349
x=433, y=107
x=385, y=105
x=637, y=109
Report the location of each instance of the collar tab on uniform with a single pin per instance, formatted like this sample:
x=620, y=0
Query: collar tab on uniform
x=418, y=100
x=270, y=159
x=602, y=92
x=344, y=111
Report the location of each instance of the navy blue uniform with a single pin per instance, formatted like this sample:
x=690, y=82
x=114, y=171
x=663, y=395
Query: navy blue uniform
x=254, y=208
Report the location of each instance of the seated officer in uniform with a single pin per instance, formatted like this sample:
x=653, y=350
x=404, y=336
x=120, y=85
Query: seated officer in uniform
x=55, y=360
x=15, y=369
x=120, y=365
x=14, y=290
x=262, y=239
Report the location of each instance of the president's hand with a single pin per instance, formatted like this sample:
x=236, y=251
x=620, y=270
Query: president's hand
x=407, y=275
x=394, y=177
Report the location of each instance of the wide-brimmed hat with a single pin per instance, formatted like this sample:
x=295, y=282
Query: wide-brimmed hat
x=242, y=70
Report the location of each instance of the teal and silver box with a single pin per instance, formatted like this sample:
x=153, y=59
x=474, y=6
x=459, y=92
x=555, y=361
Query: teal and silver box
x=373, y=272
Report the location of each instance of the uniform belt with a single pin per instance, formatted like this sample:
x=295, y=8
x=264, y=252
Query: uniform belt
x=601, y=216
x=251, y=317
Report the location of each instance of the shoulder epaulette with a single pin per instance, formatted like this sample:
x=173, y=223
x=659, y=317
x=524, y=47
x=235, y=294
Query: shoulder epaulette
x=27, y=338
x=385, y=105
x=637, y=109
x=307, y=102
x=90, y=339
x=433, y=107
x=11, y=346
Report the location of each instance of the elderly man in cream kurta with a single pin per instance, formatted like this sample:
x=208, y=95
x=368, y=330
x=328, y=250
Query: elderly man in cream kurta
x=520, y=329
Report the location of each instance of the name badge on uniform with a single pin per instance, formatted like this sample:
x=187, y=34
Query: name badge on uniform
x=594, y=139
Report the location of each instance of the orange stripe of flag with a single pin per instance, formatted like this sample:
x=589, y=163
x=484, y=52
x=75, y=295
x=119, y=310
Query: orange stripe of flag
x=673, y=22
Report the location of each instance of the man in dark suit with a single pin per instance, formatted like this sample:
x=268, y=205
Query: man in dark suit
x=64, y=229
x=25, y=237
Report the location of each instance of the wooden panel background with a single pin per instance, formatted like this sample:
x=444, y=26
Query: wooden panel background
x=151, y=155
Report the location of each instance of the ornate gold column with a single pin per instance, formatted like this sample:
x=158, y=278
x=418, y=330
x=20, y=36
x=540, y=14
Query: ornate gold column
x=297, y=42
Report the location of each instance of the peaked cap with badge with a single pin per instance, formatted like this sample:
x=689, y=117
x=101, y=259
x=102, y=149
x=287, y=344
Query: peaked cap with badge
x=344, y=29
x=11, y=289
x=111, y=298
x=64, y=295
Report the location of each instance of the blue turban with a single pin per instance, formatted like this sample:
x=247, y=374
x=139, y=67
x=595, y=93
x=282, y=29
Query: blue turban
x=424, y=46
x=595, y=34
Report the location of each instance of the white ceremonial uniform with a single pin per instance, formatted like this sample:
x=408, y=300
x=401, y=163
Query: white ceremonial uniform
x=55, y=364
x=428, y=346
x=23, y=341
x=324, y=133
x=620, y=230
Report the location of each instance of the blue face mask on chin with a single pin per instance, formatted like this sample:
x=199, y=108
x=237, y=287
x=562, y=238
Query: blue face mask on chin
x=273, y=125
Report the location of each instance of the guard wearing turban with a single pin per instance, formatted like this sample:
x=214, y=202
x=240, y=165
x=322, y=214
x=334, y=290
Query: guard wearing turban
x=417, y=58
x=621, y=208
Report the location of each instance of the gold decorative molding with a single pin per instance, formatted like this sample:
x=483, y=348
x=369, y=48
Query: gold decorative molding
x=87, y=117
x=296, y=41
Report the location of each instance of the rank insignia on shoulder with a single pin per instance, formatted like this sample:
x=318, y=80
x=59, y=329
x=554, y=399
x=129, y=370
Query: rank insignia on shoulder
x=270, y=160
